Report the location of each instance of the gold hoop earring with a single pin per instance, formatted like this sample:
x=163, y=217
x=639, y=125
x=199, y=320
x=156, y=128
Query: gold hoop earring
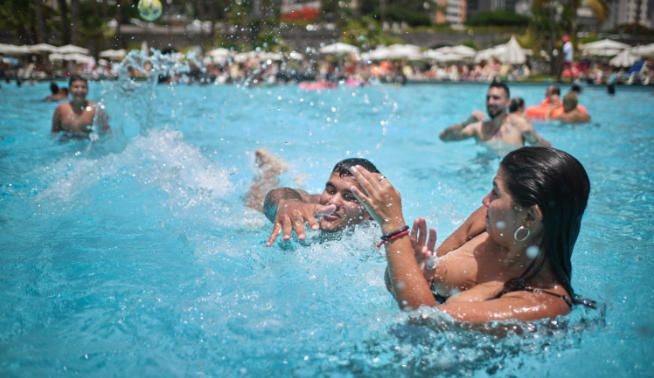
x=520, y=229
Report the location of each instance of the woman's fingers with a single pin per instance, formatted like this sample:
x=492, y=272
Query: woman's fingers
x=414, y=230
x=431, y=242
x=422, y=227
x=359, y=175
x=361, y=196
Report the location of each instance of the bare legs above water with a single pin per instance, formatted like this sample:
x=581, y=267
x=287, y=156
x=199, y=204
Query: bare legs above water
x=269, y=167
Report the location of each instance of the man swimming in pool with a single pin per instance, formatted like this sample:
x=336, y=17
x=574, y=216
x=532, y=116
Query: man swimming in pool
x=500, y=131
x=331, y=211
x=76, y=117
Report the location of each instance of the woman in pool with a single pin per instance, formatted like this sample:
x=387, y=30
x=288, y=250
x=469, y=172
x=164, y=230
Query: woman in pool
x=511, y=258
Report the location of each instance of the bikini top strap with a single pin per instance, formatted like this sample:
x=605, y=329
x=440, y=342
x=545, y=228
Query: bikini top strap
x=537, y=290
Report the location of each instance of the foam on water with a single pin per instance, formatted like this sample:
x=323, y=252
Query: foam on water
x=160, y=159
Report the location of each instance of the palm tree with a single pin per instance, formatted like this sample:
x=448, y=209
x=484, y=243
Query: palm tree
x=65, y=24
x=553, y=18
x=75, y=21
x=39, y=14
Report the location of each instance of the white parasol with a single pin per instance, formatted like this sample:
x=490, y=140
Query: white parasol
x=339, y=48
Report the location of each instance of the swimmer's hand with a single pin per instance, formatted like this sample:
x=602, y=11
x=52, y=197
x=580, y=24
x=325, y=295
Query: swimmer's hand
x=292, y=214
x=478, y=115
x=380, y=198
x=423, y=247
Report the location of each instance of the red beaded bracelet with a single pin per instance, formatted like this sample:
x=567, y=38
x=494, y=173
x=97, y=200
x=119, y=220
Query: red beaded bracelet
x=393, y=235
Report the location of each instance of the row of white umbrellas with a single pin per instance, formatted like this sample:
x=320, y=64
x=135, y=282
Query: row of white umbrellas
x=509, y=53
x=40, y=48
x=623, y=54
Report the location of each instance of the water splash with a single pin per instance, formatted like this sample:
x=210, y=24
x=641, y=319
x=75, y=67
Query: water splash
x=154, y=68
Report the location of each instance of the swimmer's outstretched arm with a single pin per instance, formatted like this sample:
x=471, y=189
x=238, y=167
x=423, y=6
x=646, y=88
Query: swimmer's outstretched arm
x=520, y=305
x=463, y=130
x=273, y=197
x=289, y=209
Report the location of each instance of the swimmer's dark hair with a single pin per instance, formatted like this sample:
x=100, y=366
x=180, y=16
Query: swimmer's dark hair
x=76, y=77
x=343, y=166
x=54, y=88
x=558, y=184
x=553, y=89
x=499, y=84
x=575, y=88
x=516, y=104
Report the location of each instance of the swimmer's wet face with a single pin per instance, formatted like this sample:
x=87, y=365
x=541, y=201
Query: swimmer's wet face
x=348, y=209
x=78, y=90
x=497, y=101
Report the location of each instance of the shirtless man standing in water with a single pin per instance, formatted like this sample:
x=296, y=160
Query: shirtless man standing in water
x=501, y=131
x=76, y=117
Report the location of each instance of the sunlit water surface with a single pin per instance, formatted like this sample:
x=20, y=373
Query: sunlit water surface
x=136, y=256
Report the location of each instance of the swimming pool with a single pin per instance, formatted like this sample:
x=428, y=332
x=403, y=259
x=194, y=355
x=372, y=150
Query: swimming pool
x=136, y=256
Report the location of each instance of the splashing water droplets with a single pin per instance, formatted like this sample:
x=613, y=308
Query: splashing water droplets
x=532, y=252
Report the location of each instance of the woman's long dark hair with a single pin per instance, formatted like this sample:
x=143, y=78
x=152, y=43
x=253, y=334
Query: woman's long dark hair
x=556, y=182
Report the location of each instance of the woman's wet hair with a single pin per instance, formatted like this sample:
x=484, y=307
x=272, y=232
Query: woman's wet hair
x=343, y=166
x=516, y=104
x=558, y=184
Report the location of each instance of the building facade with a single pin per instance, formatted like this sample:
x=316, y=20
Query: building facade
x=453, y=12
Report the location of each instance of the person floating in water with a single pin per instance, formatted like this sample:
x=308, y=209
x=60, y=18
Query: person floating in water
x=570, y=112
x=289, y=209
x=580, y=111
x=58, y=94
x=510, y=260
x=501, y=130
x=76, y=117
x=552, y=101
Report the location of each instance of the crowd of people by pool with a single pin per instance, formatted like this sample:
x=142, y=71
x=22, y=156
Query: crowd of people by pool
x=328, y=71
x=511, y=259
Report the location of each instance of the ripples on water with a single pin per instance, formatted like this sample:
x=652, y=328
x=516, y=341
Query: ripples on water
x=136, y=256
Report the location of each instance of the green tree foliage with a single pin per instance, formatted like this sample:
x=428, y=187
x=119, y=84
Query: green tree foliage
x=366, y=33
x=402, y=13
x=19, y=17
x=551, y=19
x=498, y=18
x=413, y=12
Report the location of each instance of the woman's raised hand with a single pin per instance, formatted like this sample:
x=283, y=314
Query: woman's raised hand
x=380, y=198
x=423, y=246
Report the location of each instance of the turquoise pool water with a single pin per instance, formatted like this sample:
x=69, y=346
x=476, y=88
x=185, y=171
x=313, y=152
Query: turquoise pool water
x=135, y=256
